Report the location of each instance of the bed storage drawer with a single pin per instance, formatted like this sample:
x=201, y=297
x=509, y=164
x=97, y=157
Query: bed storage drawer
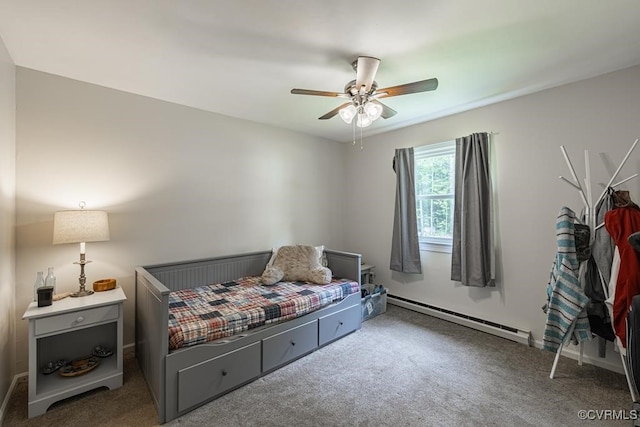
x=198, y=383
x=288, y=345
x=335, y=325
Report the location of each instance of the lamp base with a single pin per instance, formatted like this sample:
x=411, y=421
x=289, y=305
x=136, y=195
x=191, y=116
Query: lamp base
x=81, y=293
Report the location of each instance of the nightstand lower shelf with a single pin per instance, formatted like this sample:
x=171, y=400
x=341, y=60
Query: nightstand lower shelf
x=56, y=390
x=52, y=383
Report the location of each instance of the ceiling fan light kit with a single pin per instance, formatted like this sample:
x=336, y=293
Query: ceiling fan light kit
x=366, y=114
x=363, y=94
x=348, y=113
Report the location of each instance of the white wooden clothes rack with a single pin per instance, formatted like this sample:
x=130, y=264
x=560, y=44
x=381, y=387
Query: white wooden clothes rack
x=590, y=220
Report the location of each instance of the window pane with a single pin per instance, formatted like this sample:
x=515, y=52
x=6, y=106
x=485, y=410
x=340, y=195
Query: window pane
x=435, y=217
x=435, y=187
x=434, y=175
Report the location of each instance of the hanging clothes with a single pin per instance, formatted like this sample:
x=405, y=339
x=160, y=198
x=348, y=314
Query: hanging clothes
x=615, y=267
x=598, y=272
x=566, y=301
x=599, y=316
x=620, y=223
x=602, y=251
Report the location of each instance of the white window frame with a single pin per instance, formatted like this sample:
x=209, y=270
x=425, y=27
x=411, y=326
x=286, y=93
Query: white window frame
x=434, y=244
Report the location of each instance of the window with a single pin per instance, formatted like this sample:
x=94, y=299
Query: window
x=435, y=188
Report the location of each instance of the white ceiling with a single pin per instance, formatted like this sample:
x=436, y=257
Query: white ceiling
x=241, y=58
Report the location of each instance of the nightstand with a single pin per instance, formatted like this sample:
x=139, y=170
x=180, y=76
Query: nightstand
x=70, y=329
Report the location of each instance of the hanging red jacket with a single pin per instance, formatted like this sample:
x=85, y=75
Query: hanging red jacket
x=620, y=223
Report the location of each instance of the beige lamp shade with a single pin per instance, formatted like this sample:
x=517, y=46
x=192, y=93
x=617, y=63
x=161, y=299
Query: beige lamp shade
x=79, y=226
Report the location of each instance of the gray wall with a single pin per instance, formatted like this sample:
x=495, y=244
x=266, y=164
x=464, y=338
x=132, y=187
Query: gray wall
x=178, y=183
x=599, y=115
x=7, y=221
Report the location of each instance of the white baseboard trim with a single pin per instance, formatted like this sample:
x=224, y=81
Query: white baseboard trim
x=5, y=402
x=512, y=334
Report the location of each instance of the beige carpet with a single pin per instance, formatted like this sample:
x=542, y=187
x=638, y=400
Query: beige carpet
x=405, y=369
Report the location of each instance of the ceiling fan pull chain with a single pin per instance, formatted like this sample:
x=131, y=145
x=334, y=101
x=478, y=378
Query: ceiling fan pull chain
x=354, y=132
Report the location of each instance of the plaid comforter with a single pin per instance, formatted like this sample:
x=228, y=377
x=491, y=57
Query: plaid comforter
x=211, y=312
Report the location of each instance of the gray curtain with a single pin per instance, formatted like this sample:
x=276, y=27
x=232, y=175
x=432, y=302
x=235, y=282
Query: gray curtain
x=405, y=250
x=472, y=260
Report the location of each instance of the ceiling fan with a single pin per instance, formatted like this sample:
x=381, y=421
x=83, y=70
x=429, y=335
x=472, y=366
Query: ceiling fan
x=364, y=95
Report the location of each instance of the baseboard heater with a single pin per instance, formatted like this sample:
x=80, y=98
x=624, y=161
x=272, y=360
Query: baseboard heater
x=503, y=331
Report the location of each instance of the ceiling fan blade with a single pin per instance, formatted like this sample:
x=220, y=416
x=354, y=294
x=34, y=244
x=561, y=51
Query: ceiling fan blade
x=318, y=93
x=386, y=111
x=421, y=86
x=366, y=70
x=333, y=112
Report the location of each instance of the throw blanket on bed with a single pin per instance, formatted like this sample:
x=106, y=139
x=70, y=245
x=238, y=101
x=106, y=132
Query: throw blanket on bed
x=212, y=312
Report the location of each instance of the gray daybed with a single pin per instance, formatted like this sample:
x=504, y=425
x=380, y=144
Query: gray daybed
x=176, y=378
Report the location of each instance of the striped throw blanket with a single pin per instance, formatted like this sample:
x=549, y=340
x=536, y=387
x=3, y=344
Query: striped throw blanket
x=566, y=300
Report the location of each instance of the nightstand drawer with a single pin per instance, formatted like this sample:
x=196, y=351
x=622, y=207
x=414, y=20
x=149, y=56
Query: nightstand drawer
x=76, y=319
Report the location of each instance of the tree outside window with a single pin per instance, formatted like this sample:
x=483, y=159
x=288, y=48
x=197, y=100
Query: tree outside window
x=435, y=187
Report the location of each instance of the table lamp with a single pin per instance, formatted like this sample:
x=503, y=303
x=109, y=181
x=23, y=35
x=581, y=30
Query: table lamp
x=80, y=226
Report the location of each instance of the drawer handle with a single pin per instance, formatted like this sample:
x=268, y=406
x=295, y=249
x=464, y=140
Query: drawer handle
x=79, y=319
x=224, y=373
